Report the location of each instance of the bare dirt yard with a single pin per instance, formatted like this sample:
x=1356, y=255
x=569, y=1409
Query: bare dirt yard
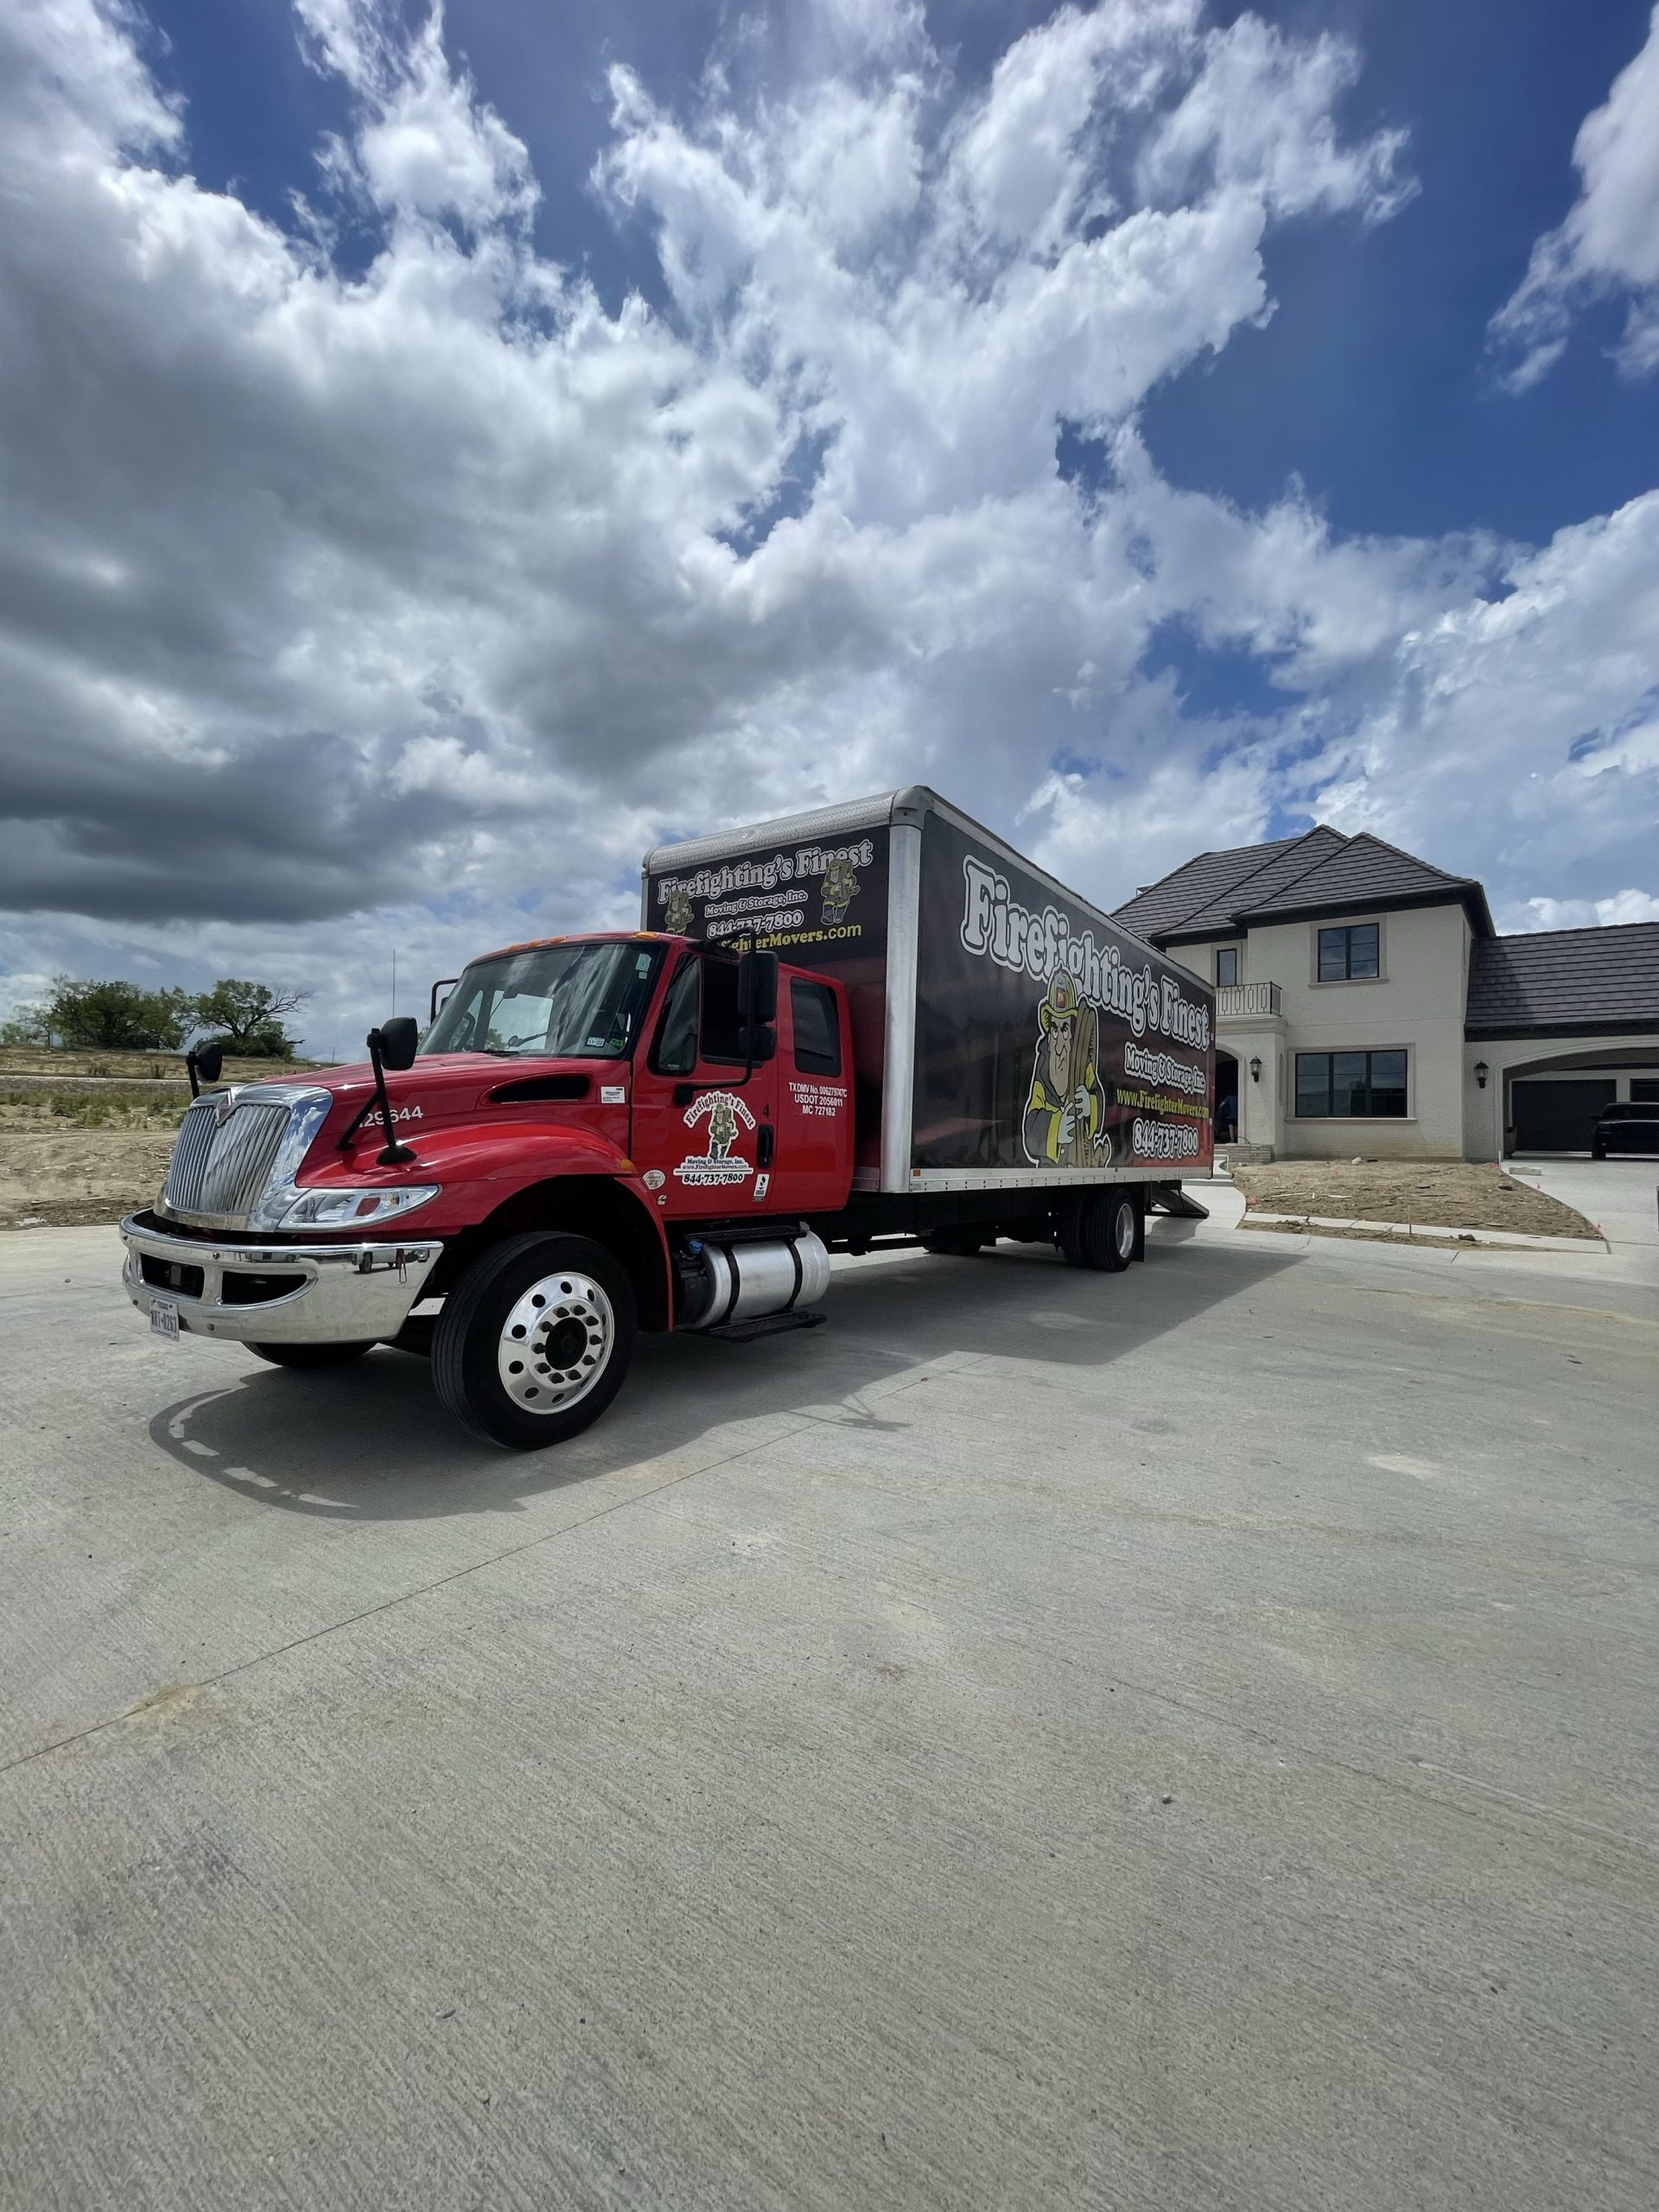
x=1449, y=1195
x=63, y=1178
x=85, y=1137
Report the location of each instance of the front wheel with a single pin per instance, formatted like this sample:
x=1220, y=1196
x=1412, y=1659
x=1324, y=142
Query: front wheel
x=535, y=1341
x=307, y=1356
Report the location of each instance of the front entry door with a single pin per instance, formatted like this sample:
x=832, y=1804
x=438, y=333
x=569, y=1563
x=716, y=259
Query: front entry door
x=703, y=1137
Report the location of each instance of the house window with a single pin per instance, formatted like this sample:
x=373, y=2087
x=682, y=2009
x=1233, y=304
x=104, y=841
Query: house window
x=1338, y=1085
x=1226, y=967
x=1348, y=954
x=817, y=1029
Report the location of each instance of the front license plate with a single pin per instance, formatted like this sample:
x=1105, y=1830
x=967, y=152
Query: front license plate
x=163, y=1318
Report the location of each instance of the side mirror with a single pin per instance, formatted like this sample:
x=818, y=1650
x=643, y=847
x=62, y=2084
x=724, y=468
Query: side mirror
x=210, y=1061
x=759, y=1042
x=396, y=1040
x=756, y=988
x=446, y=985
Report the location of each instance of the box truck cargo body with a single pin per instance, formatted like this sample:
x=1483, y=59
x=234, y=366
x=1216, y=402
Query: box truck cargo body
x=871, y=1024
x=1008, y=1035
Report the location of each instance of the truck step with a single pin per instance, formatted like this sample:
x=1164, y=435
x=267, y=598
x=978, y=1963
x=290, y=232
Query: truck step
x=1160, y=1198
x=767, y=1324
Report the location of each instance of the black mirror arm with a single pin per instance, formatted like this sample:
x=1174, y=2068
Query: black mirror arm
x=190, y=1070
x=395, y=1155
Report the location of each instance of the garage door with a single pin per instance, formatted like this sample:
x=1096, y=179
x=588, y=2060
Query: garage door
x=1558, y=1116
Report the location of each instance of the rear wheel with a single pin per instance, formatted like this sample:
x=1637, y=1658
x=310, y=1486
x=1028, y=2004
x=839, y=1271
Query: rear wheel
x=1098, y=1229
x=535, y=1341
x=311, y=1355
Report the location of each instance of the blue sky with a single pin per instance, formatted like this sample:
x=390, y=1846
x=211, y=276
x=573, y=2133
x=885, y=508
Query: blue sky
x=1369, y=382
x=442, y=454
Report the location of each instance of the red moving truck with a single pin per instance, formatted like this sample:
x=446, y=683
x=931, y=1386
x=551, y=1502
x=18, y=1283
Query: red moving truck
x=867, y=1025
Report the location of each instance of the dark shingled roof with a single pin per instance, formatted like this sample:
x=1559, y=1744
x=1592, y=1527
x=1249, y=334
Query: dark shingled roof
x=1566, y=982
x=1288, y=866
x=1364, y=872
x=1166, y=904
x=1323, y=871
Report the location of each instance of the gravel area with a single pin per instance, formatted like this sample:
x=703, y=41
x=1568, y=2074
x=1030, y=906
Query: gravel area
x=1449, y=1195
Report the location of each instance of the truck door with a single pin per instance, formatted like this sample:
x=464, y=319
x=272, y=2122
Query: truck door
x=702, y=1138
x=812, y=1169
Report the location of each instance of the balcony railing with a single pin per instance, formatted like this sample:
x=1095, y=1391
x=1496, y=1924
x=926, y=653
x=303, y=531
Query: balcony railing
x=1233, y=998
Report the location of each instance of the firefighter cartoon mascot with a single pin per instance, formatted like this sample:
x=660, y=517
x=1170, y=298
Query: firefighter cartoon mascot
x=1067, y=1106
x=723, y=1126
x=839, y=889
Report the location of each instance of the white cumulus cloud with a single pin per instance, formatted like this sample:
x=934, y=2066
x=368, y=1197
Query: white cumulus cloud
x=1608, y=245
x=408, y=598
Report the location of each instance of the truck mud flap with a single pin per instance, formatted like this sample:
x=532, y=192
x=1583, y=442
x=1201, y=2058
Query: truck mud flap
x=1169, y=1198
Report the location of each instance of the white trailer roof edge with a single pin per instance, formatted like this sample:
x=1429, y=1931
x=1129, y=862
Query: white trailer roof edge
x=822, y=823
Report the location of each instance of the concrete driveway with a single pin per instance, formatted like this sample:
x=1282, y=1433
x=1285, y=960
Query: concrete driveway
x=1620, y=1196
x=1184, y=1739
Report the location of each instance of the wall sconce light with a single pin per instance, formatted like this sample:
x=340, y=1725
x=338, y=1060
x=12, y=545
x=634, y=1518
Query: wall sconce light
x=1256, y=1070
x=1481, y=1073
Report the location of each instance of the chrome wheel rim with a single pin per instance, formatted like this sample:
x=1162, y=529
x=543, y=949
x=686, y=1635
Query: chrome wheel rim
x=557, y=1342
x=1125, y=1229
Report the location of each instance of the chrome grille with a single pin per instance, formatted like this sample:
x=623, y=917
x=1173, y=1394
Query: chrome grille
x=220, y=1167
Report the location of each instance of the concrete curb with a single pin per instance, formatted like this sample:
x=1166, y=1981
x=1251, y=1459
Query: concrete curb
x=1401, y=1232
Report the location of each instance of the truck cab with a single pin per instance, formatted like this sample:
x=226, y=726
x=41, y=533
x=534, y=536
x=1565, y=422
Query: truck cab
x=621, y=1130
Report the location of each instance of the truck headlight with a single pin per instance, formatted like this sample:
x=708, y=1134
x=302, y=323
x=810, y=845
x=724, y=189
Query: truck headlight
x=354, y=1205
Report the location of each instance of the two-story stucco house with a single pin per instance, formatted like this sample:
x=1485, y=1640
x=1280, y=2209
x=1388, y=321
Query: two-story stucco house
x=1365, y=1004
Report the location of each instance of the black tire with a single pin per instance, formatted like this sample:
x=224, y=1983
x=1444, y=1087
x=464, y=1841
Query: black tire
x=592, y=1304
x=311, y=1355
x=954, y=1243
x=1098, y=1230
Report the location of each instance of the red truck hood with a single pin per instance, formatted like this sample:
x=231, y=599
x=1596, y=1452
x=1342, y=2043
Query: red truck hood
x=481, y=1127
x=474, y=1087
x=450, y=1084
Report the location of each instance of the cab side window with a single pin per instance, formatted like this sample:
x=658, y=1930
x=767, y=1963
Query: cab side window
x=676, y=1036
x=818, y=1031
x=719, y=1026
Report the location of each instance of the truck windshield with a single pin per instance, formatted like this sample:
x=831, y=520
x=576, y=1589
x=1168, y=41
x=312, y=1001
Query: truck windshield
x=582, y=1001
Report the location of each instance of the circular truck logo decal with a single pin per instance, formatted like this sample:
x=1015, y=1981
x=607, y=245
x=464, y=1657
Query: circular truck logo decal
x=725, y=1116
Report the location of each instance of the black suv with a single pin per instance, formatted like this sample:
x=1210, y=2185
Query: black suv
x=1633, y=1128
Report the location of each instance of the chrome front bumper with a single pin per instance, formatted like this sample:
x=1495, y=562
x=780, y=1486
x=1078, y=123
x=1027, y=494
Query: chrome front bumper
x=277, y=1293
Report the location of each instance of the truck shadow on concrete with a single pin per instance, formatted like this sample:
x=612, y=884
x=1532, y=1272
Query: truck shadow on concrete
x=371, y=1442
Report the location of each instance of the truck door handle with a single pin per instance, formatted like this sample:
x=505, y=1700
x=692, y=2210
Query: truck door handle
x=765, y=1144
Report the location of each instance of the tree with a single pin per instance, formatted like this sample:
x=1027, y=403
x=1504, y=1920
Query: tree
x=118, y=1016
x=248, y=1016
x=30, y=1025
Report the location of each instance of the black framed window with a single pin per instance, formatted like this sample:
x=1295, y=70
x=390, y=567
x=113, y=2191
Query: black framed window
x=1349, y=953
x=677, y=1033
x=1644, y=1092
x=1226, y=967
x=818, y=1031
x=720, y=1028
x=1338, y=1085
